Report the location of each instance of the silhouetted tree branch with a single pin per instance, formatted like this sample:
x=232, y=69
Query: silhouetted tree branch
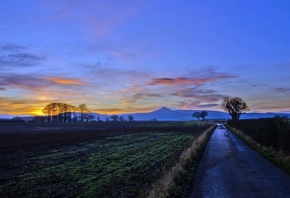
x=235, y=106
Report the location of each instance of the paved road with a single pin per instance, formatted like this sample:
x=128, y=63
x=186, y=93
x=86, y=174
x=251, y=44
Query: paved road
x=230, y=168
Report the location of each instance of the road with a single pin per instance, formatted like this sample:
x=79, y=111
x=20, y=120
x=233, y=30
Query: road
x=230, y=168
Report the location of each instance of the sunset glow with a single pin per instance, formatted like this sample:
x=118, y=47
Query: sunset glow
x=136, y=56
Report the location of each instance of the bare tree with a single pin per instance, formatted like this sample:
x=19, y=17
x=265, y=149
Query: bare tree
x=74, y=109
x=83, y=108
x=53, y=110
x=99, y=119
x=203, y=114
x=196, y=115
x=235, y=106
x=59, y=111
x=70, y=112
x=130, y=118
x=65, y=108
x=121, y=118
x=48, y=110
x=114, y=118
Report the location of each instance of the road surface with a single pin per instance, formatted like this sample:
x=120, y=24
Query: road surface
x=230, y=168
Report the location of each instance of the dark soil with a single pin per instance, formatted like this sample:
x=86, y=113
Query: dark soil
x=19, y=134
x=23, y=145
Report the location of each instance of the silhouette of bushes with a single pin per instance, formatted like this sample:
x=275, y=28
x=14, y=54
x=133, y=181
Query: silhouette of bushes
x=269, y=132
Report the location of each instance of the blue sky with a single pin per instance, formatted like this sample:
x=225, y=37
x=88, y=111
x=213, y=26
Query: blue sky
x=135, y=56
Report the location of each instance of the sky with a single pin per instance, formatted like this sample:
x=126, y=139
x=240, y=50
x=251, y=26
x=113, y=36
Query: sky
x=123, y=56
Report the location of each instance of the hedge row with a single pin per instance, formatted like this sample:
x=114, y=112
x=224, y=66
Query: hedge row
x=269, y=132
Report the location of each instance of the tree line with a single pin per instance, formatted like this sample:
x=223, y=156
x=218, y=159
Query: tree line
x=62, y=112
x=116, y=118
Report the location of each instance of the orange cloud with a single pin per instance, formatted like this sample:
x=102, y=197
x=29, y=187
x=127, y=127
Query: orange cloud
x=66, y=81
x=21, y=107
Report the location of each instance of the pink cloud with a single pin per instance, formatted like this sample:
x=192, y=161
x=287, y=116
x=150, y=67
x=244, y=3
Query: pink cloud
x=197, y=94
x=188, y=104
x=37, y=83
x=271, y=105
x=189, y=81
x=177, y=81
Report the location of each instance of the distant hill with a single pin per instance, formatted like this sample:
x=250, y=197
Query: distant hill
x=166, y=114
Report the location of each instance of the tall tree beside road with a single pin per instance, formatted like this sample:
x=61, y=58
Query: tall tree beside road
x=235, y=106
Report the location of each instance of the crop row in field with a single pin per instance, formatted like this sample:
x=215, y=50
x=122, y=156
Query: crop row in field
x=114, y=166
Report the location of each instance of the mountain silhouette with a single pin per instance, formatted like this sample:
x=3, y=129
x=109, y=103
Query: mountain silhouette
x=167, y=114
x=163, y=110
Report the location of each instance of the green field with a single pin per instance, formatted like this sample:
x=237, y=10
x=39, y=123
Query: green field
x=119, y=165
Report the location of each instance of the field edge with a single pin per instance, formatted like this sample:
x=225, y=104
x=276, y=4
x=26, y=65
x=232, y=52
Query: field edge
x=177, y=182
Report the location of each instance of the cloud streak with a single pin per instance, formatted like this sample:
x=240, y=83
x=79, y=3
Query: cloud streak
x=66, y=81
x=13, y=56
x=10, y=47
x=272, y=106
x=24, y=82
x=144, y=96
x=176, y=81
x=207, y=105
x=282, y=90
x=199, y=94
x=189, y=81
x=35, y=83
x=187, y=104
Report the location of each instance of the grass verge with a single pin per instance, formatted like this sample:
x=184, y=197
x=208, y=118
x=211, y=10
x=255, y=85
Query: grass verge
x=177, y=182
x=279, y=158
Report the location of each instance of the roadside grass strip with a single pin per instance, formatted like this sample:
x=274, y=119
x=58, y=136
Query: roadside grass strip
x=279, y=158
x=177, y=182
